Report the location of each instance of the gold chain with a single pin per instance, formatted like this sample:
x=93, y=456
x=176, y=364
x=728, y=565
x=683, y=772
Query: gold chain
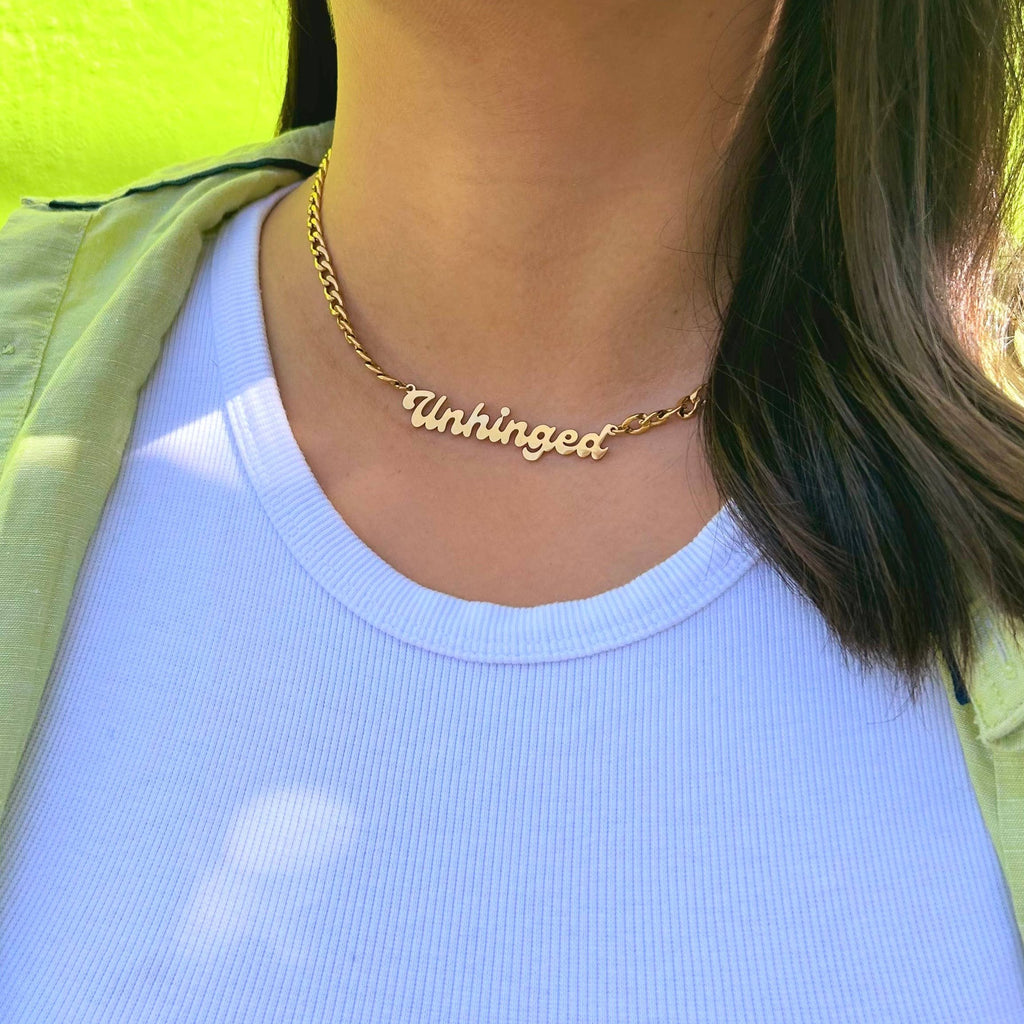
x=637, y=423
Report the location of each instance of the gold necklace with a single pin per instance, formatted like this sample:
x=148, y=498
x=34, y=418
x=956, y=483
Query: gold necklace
x=534, y=443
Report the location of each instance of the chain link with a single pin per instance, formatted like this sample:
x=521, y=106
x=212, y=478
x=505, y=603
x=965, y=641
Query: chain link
x=637, y=423
x=330, y=283
x=640, y=422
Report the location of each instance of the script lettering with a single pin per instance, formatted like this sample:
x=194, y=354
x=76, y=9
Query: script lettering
x=534, y=443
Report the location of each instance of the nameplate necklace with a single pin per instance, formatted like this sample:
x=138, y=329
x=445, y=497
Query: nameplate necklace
x=430, y=410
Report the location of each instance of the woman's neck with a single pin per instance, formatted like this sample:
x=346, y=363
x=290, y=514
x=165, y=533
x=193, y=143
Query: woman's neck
x=513, y=188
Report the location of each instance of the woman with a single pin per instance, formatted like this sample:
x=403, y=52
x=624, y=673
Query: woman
x=348, y=717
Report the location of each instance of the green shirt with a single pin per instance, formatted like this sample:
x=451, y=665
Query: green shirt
x=89, y=288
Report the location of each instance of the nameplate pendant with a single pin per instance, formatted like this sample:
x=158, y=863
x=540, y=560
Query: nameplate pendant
x=428, y=411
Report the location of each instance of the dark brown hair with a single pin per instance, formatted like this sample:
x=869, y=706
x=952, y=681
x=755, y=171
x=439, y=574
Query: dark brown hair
x=865, y=409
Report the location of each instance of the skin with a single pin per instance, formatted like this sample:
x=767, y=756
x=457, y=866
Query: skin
x=514, y=202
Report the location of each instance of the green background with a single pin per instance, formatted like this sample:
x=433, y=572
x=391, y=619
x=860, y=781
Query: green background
x=93, y=97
